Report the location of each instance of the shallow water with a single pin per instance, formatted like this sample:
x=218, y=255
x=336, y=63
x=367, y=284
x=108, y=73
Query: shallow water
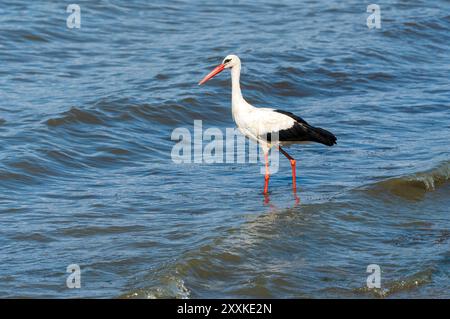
x=86, y=175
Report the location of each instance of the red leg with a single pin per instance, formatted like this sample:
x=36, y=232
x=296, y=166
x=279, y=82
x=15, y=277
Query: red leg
x=267, y=176
x=293, y=162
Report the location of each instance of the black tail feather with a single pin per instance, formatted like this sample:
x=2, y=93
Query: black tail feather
x=320, y=135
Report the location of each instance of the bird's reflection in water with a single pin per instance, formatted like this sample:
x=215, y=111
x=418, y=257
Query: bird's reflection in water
x=267, y=199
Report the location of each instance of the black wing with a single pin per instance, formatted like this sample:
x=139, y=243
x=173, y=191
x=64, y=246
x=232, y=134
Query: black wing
x=301, y=131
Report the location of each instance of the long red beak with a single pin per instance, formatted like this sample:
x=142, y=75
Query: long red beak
x=213, y=73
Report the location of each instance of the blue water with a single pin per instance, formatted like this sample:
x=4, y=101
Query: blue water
x=86, y=175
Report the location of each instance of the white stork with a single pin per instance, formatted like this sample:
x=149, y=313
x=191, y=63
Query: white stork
x=268, y=127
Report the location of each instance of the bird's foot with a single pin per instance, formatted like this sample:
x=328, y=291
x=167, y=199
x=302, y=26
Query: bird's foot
x=297, y=199
x=266, y=198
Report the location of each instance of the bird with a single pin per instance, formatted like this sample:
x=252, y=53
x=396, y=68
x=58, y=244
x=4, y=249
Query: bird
x=269, y=127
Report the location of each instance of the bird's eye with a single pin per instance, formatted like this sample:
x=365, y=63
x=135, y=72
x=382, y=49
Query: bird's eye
x=226, y=61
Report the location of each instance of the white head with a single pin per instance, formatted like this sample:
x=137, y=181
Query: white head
x=230, y=61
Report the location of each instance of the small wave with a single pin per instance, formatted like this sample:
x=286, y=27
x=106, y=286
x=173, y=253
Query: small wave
x=80, y=232
x=429, y=28
x=414, y=186
x=34, y=38
x=38, y=237
x=170, y=287
x=32, y=167
x=75, y=115
x=170, y=112
x=161, y=77
x=398, y=286
x=11, y=176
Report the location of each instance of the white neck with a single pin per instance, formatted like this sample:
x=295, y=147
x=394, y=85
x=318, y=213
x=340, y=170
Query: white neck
x=236, y=94
x=237, y=100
